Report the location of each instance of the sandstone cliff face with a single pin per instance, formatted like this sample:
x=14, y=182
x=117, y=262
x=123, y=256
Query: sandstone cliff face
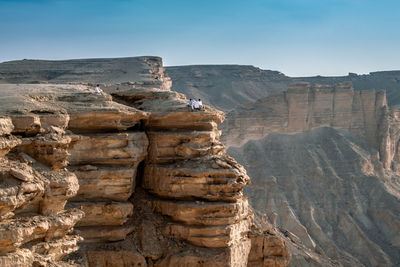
x=156, y=187
x=304, y=107
x=329, y=190
x=35, y=227
x=226, y=86
x=297, y=167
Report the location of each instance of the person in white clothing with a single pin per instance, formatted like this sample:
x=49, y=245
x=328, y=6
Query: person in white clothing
x=98, y=90
x=200, y=104
x=196, y=104
x=190, y=104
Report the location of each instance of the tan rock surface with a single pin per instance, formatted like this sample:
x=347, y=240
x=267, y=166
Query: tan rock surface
x=49, y=149
x=215, y=179
x=203, y=213
x=6, y=126
x=267, y=249
x=211, y=237
x=304, y=107
x=19, y=258
x=102, y=213
x=138, y=71
x=56, y=250
x=108, y=149
x=167, y=147
x=20, y=186
x=232, y=256
x=63, y=185
x=104, y=183
x=139, y=131
x=115, y=259
x=16, y=232
x=331, y=192
x=101, y=234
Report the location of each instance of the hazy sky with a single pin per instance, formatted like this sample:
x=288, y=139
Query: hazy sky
x=296, y=37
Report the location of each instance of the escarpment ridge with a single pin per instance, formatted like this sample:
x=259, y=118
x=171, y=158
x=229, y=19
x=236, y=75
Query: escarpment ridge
x=129, y=177
x=304, y=107
x=322, y=155
x=227, y=86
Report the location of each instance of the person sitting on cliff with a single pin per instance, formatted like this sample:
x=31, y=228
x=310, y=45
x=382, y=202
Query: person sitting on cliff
x=98, y=90
x=190, y=104
x=196, y=104
x=200, y=103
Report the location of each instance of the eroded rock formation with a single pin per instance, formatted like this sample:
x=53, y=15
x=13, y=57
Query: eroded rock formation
x=35, y=227
x=304, y=107
x=156, y=187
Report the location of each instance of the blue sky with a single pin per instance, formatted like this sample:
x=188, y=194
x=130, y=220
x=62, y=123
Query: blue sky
x=296, y=37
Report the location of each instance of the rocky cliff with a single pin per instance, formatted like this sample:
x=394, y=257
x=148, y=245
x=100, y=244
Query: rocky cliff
x=324, y=160
x=328, y=189
x=143, y=181
x=226, y=86
x=304, y=107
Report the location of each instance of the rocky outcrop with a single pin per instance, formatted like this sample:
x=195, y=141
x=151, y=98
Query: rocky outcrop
x=228, y=86
x=34, y=226
x=223, y=86
x=304, y=107
x=191, y=179
x=140, y=71
x=139, y=178
x=331, y=196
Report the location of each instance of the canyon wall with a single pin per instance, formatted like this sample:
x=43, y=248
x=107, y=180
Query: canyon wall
x=328, y=190
x=132, y=174
x=323, y=160
x=304, y=107
x=226, y=86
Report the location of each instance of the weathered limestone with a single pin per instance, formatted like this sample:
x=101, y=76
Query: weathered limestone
x=104, y=183
x=105, y=165
x=93, y=150
x=211, y=237
x=119, y=149
x=21, y=185
x=224, y=257
x=7, y=143
x=49, y=149
x=16, y=232
x=6, y=126
x=57, y=249
x=304, y=107
x=214, y=179
x=63, y=186
x=201, y=187
x=267, y=249
x=102, y=213
x=167, y=147
x=101, y=234
x=32, y=196
x=204, y=213
x=115, y=258
x=18, y=258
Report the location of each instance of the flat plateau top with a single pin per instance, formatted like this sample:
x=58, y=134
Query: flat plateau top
x=20, y=99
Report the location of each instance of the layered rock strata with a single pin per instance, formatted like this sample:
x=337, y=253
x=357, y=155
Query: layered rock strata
x=34, y=225
x=192, y=180
x=331, y=194
x=304, y=107
x=155, y=185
